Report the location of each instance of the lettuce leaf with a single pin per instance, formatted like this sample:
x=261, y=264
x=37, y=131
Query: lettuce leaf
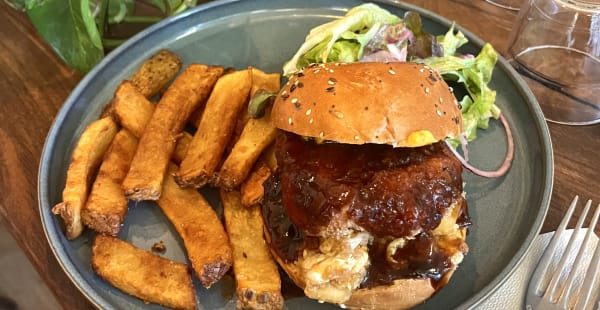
x=341, y=40
x=475, y=74
x=451, y=41
x=345, y=39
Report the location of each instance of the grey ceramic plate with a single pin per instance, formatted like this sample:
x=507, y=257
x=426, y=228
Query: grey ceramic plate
x=507, y=212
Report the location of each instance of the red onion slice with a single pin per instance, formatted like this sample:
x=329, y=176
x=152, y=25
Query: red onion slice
x=507, y=160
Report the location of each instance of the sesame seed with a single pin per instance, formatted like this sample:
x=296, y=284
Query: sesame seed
x=421, y=70
x=427, y=90
x=330, y=70
x=438, y=113
x=441, y=100
x=338, y=114
x=356, y=137
x=290, y=121
x=308, y=111
x=292, y=88
x=451, y=89
x=431, y=77
x=392, y=72
x=321, y=134
x=330, y=89
x=317, y=71
x=311, y=120
x=294, y=100
x=331, y=81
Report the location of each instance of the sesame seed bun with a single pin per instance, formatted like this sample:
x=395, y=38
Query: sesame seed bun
x=400, y=104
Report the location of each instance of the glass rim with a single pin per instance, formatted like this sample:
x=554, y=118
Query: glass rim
x=582, y=6
x=591, y=11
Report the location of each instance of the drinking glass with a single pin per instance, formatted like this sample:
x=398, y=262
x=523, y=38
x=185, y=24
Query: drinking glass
x=513, y=5
x=555, y=45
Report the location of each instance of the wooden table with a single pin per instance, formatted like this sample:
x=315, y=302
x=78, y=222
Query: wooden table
x=34, y=83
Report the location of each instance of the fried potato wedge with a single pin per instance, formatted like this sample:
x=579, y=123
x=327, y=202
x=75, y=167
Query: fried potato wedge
x=190, y=89
x=257, y=135
x=203, y=234
x=196, y=115
x=106, y=206
x=85, y=161
x=142, y=274
x=228, y=98
x=258, y=284
x=131, y=109
x=183, y=143
x=267, y=81
x=252, y=190
x=156, y=72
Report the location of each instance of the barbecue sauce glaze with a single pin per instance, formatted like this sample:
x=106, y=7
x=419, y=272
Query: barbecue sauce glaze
x=390, y=192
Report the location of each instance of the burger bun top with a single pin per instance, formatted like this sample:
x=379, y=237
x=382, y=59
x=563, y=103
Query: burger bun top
x=402, y=104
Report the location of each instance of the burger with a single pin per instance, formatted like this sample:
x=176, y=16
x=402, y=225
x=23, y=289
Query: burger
x=366, y=207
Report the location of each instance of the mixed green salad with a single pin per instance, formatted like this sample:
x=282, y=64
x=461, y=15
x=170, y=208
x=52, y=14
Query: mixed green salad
x=371, y=33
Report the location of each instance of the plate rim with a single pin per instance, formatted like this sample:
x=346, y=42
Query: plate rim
x=51, y=227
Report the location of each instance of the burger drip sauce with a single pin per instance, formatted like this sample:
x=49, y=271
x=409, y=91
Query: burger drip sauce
x=390, y=192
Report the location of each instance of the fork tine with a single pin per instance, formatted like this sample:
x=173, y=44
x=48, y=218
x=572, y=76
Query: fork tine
x=554, y=292
x=578, y=261
x=591, y=275
x=538, y=280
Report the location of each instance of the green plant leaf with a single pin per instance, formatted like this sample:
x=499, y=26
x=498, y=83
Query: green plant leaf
x=69, y=27
x=166, y=6
x=119, y=9
x=16, y=4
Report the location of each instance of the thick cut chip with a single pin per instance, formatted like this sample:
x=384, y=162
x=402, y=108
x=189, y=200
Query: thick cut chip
x=214, y=132
x=252, y=190
x=256, y=136
x=156, y=146
x=85, y=161
x=131, y=109
x=143, y=274
x=257, y=277
x=106, y=207
x=156, y=72
x=203, y=234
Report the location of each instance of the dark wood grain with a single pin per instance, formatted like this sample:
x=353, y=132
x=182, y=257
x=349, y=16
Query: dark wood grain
x=34, y=83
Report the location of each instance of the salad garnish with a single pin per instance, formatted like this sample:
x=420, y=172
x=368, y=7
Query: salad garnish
x=370, y=33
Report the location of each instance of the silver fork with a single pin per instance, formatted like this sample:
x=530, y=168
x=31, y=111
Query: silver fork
x=547, y=287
